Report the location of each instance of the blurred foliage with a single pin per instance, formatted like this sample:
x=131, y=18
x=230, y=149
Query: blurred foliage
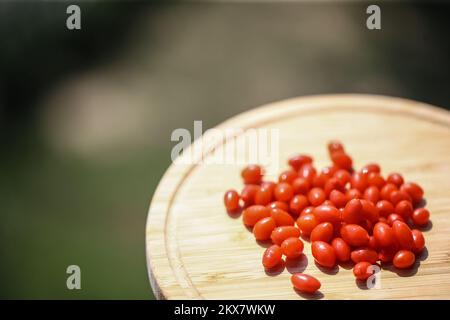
x=37, y=50
x=59, y=211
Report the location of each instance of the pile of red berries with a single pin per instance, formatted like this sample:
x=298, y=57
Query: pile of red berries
x=346, y=214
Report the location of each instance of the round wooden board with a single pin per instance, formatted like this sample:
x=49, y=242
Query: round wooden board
x=195, y=250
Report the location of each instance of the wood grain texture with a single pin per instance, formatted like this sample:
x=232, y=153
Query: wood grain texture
x=195, y=250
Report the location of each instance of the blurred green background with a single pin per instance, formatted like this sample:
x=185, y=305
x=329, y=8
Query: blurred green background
x=86, y=116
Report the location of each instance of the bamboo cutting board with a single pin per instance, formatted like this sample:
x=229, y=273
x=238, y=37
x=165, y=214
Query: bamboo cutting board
x=195, y=250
